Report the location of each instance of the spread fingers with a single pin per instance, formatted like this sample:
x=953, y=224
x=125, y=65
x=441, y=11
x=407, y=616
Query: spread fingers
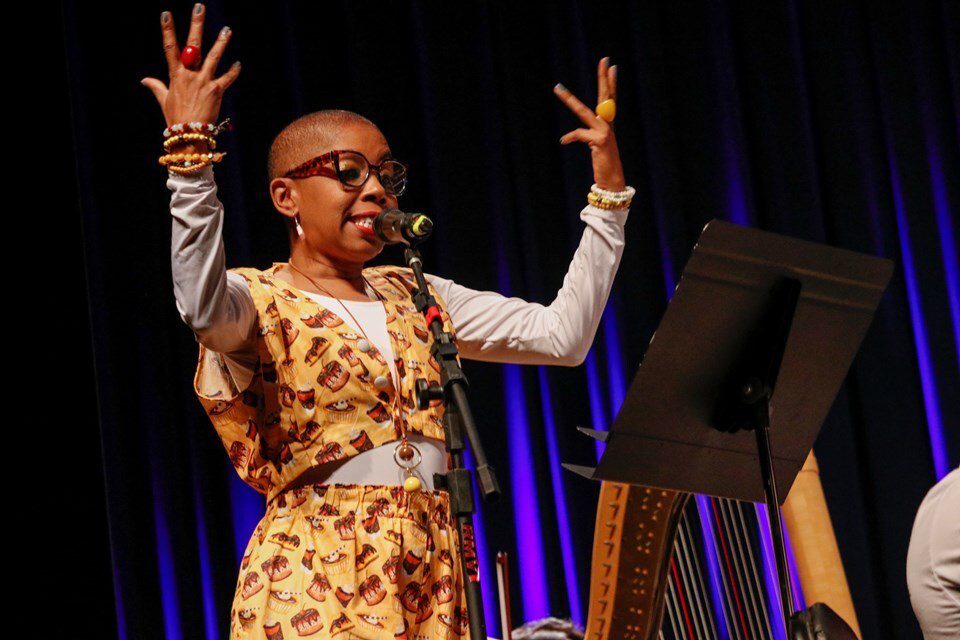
x=586, y=115
x=195, y=37
x=170, y=48
x=216, y=51
x=603, y=84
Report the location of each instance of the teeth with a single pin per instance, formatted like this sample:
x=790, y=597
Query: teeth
x=366, y=223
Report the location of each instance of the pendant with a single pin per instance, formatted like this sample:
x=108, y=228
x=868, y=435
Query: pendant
x=405, y=451
x=408, y=457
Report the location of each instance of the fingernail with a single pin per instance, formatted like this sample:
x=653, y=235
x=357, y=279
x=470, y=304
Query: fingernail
x=224, y=32
x=165, y=17
x=614, y=69
x=560, y=87
x=197, y=9
x=236, y=64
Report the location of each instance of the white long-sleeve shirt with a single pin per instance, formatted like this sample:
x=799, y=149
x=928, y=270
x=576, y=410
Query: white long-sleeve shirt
x=217, y=305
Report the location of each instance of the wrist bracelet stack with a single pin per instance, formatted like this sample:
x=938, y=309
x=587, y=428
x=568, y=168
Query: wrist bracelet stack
x=173, y=140
x=190, y=132
x=609, y=200
x=188, y=163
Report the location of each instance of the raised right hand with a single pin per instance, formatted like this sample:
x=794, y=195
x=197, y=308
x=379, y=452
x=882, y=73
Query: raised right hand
x=194, y=95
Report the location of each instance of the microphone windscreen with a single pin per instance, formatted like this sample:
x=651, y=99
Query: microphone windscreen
x=387, y=225
x=422, y=226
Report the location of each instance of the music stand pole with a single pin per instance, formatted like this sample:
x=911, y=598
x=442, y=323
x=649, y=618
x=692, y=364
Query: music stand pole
x=745, y=404
x=773, y=509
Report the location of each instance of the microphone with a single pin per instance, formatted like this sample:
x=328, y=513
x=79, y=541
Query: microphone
x=395, y=227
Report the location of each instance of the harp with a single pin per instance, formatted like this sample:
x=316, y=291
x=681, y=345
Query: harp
x=669, y=564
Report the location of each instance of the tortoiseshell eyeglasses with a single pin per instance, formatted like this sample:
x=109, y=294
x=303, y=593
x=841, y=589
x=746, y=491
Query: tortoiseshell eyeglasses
x=352, y=169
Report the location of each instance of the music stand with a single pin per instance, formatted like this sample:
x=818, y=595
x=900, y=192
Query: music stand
x=759, y=336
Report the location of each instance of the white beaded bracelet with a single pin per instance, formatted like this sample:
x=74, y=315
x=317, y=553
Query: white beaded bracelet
x=627, y=193
x=610, y=200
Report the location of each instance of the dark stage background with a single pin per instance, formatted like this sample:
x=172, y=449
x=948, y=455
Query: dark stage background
x=830, y=121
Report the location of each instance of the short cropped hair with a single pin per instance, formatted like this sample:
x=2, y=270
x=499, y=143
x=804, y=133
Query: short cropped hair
x=548, y=629
x=300, y=140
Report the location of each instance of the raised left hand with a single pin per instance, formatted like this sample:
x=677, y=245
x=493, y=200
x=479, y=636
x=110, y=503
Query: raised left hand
x=598, y=133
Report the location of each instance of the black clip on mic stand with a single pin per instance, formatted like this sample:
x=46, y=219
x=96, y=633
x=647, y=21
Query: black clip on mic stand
x=457, y=419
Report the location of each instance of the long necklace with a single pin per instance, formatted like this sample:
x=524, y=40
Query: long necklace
x=406, y=454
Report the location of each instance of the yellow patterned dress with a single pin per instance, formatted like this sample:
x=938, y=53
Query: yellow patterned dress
x=335, y=561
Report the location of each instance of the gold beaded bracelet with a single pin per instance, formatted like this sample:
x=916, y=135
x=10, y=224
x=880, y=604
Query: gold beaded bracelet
x=609, y=200
x=187, y=132
x=187, y=171
x=189, y=163
x=182, y=170
x=603, y=202
x=172, y=158
x=190, y=137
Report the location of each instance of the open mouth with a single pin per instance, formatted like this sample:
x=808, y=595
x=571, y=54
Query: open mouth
x=364, y=222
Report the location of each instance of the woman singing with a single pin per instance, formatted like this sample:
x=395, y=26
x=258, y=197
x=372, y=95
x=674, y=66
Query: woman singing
x=307, y=368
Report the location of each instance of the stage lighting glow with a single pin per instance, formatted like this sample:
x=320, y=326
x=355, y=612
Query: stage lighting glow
x=567, y=551
x=531, y=565
x=928, y=383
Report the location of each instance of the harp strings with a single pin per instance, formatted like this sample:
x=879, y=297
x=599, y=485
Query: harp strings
x=727, y=603
x=743, y=572
x=763, y=602
x=741, y=594
x=705, y=612
x=692, y=585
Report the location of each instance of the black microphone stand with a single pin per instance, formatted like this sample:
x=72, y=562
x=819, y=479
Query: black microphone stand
x=457, y=420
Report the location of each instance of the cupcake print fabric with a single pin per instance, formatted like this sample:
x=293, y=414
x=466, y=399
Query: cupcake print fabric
x=352, y=561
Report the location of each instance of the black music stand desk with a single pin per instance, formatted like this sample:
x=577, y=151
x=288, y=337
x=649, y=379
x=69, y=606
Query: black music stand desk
x=759, y=336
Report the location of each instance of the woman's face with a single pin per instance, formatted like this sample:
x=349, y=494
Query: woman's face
x=329, y=209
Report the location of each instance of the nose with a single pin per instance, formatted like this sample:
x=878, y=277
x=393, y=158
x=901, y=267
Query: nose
x=373, y=190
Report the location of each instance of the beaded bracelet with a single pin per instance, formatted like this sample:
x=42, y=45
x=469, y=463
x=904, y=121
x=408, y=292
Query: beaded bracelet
x=602, y=203
x=604, y=199
x=190, y=137
x=188, y=171
x=188, y=163
x=197, y=127
x=626, y=193
x=171, y=158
